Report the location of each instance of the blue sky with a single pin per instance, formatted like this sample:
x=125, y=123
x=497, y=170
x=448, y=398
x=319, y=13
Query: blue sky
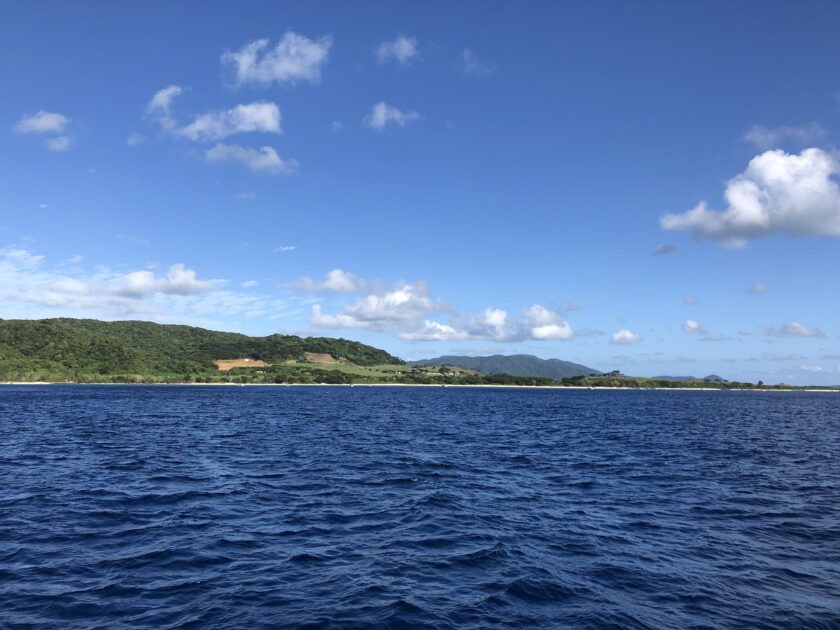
x=650, y=187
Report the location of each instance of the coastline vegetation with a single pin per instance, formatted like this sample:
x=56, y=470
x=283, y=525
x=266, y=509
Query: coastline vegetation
x=90, y=351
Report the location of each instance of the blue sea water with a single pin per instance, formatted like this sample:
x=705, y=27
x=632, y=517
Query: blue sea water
x=171, y=507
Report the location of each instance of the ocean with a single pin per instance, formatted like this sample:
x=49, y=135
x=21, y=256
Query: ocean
x=400, y=507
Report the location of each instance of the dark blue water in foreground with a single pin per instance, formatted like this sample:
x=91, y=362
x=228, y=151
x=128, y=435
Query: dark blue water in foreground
x=398, y=507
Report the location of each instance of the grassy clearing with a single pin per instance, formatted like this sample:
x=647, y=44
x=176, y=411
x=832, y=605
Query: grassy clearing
x=229, y=364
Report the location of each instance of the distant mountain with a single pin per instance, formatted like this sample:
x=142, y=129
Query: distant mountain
x=515, y=365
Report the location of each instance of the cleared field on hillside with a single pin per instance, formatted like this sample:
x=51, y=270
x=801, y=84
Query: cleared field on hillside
x=228, y=364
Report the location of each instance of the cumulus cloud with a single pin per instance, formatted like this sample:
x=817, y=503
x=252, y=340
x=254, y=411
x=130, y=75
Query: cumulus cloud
x=434, y=331
x=294, y=58
x=794, y=329
x=47, y=123
x=260, y=116
x=471, y=65
x=666, y=249
x=42, y=122
x=337, y=281
x=159, y=108
x=262, y=160
x=758, y=288
x=178, y=281
x=401, y=49
x=495, y=324
x=19, y=258
x=405, y=302
x=624, y=337
x=382, y=114
x=778, y=193
x=401, y=310
x=547, y=324
x=408, y=311
x=30, y=287
x=773, y=137
x=692, y=328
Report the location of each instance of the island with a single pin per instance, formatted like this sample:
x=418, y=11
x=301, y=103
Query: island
x=79, y=351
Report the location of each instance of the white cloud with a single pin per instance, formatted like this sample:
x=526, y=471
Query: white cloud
x=794, y=329
x=434, y=331
x=692, y=328
x=295, y=58
x=402, y=49
x=249, y=283
x=812, y=368
x=547, y=324
x=342, y=281
x=30, y=288
x=405, y=302
x=284, y=248
x=264, y=159
x=758, y=288
x=135, y=139
x=772, y=137
x=471, y=65
x=20, y=258
x=407, y=310
x=46, y=123
x=337, y=281
x=71, y=286
x=779, y=193
x=624, y=337
x=42, y=122
x=336, y=126
x=159, y=108
x=59, y=144
x=382, y=114
x=398, y=310
x=689, y=300
x=260, y=117
x=496, y=324
x=178, y=281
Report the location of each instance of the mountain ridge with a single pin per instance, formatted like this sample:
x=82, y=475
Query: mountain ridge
x=76, y=349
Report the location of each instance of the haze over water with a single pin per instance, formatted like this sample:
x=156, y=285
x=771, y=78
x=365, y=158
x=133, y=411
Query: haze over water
x=410, y=507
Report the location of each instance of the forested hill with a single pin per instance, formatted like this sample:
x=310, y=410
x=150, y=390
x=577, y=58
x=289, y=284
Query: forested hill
x=76, y=349
x=515, y=365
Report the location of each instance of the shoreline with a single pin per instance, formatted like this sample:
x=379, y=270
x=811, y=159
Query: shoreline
x=432, y=385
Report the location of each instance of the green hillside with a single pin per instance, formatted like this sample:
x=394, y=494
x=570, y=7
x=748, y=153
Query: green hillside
x=515, y=365
x=87, y=350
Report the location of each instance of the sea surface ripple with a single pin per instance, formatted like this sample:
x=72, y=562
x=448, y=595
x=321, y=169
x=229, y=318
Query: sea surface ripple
x=175, y=507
